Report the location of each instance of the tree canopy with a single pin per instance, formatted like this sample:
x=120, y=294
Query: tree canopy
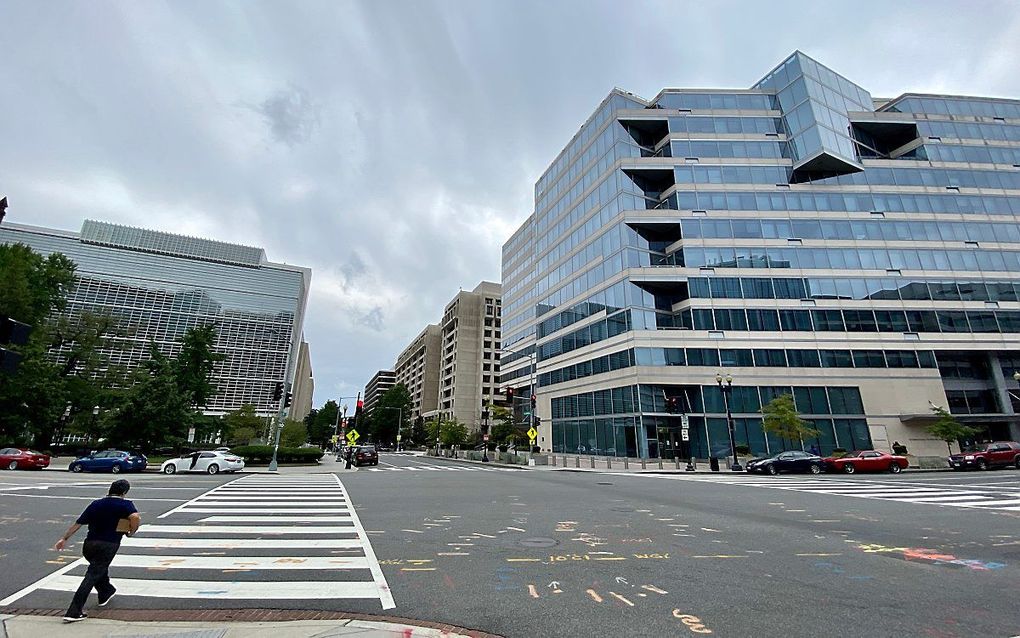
x=393, y=407
x=947, y=429
x=780, y=417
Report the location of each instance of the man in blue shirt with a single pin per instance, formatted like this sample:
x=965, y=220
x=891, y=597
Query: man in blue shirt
x=101, y=544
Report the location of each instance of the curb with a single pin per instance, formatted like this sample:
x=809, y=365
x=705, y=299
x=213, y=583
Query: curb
x=247, y=616
x=472, y=462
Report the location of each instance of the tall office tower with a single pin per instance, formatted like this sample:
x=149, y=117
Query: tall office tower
x=801, y=236
x=377, y=386
x=417, y=368
x=159, y=285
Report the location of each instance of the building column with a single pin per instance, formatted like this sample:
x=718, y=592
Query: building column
x=1003, y=393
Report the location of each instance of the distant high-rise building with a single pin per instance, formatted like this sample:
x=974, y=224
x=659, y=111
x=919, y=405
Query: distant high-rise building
x=417, y=368
x=159, y=285
x=859, y=254
x=381, y=381
x=304, y=385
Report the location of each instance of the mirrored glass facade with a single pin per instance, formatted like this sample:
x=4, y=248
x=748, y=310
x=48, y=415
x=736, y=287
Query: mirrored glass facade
x=159, y=285
x=800, y=234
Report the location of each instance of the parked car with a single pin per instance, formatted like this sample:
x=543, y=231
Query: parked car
x=988, y=455
x=12, y=458
x=867, y=461
x=208, y=462
x=365, y=455
x=794, y=461
x=115, y=461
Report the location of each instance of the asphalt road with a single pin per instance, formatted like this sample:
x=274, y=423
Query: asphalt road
x=557, y=553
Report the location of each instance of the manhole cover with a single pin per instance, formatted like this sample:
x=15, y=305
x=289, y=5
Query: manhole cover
x=604, y=483
x=538, y=542
x=622, y=509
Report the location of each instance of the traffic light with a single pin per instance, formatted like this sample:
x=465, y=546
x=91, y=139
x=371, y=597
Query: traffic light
x=533, y=401
x=288, y=399
x=672, y=405
x=509, y=392
x=278, y=391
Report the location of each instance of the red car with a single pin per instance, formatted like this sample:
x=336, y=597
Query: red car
x=868, y=461
x=988, y=455
x=12, y=458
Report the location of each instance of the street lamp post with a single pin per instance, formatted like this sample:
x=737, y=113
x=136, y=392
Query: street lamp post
x=726, y=390
x=485, y=433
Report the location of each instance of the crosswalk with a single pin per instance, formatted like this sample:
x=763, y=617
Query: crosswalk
x=258, y=537
x=973, y=497
x=433, y=468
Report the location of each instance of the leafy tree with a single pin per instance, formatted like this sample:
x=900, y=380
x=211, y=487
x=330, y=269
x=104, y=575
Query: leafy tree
x=780, y=417
x=321, y=422
x=394, y=407
x=155, y=409
x=241, y=425
x=33, y=286
x=418, y=436
x=503, y=428
x=449, y=431
x=946, y=428
x=293, y=434
x=196, y=363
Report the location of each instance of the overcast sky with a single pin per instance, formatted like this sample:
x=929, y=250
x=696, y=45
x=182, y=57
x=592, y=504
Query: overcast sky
x=393, y=146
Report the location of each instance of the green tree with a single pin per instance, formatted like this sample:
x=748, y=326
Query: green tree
x=196, y=363
x=946, y=428
x=780, y=417
x=320, y=423
x=393, y=407
x=293, y=434
x=33, y=286
x=155, y=410
x=449, y=432
x=419, y=435
x=503, y=428
x=241, y=425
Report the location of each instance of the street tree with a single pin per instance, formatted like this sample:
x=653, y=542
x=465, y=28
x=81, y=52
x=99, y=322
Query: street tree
x=293, y=434
x=241, y=425
x=780, y=417
x=155, y=410
x=450, y=432
x=503, y=429
x=947, y=429
x=418, y=435
x=33, y=286
x=393, y=408
x=195, y=364
x=320, y=423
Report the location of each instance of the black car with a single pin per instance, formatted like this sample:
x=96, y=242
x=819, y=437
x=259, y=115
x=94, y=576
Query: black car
x=795, y=461
x=365, y=455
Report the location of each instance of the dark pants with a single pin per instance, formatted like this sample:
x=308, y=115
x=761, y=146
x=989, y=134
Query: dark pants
x=99, y=554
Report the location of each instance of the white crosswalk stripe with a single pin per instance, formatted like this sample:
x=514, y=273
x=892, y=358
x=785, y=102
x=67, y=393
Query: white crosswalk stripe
x=302, y=527
x=971, y=496
x=434, y=468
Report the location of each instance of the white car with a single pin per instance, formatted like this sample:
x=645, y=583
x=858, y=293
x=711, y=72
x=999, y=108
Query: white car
x=207, y=462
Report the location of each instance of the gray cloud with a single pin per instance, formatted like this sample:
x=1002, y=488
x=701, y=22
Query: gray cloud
x=393, y=146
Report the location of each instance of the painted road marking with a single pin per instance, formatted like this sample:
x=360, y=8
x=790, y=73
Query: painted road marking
x=231, y=590
x=276, y=519
x=249, y=529
x=241, y=543
x=240, y=562
x=263, y=510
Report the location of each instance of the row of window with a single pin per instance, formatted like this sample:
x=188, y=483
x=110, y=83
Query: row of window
x=611, y=326
x=732, y=125
x=851, y=288
x=855, y=229
x=974, y=154
x=970, y=130
x=852, y=258
x=740, y=148
x=848, y=202
x=718, y=101
x=958, y=106
x=818, y=320
x=932, y=177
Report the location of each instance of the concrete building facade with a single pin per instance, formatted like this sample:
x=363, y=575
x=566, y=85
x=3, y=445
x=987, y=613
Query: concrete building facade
x=304, y=385
x=471, y=335
x=160, y=284
x=860, y=254
x=417, y=367
x=377, y=386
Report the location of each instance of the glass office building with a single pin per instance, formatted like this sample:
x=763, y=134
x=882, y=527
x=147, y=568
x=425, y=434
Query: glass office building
x=161, y=284
x=857, y=253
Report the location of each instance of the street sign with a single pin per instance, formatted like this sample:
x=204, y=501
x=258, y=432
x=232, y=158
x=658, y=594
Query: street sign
x=685, y=434
x=334, y=438
x=398, y=438
x=684, y=421
x=353, y=436
x=532, y=433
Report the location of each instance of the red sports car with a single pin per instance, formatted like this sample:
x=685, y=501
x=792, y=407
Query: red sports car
x=868, y=461
x=11, y=458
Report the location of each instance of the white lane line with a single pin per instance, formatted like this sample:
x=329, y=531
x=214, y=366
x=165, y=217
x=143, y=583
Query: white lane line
x=294, y=503
x=276, y=519
x=249, y=543
x=945, y=498
x=248, y=529
x=91, y=498
x=42, y=583
x=1011, y=501
x=240, y=562
x=227, y=590
x=264, y=510
x=382, y=588
x=183, y=505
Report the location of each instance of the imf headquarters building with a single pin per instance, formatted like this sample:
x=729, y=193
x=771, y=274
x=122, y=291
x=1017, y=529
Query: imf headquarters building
x=160, y=285
x=859, y=253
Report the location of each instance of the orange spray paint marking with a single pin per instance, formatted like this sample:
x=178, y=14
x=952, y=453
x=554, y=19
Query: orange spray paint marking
x=532, y=591
x=621, y=598
x=594, y=596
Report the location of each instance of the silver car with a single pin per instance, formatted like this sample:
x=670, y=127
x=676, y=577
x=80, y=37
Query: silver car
x=206, y=462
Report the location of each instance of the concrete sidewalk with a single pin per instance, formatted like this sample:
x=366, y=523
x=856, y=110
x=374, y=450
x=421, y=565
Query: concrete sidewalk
x=55, y=627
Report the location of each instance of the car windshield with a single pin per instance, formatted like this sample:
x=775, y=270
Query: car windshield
x=977, y=448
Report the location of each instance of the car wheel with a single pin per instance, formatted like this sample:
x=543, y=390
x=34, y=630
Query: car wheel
x=849, y=468
x=116, y=469
x=895, y=468
x=771, y=469
x=13, y=465
x=170, y=469
x=1016, y=462
x=213, y=469
x=816, y=468
x=76, y=468
x=982, y=464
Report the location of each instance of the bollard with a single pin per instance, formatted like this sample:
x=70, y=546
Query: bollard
x=676, y=459
x=660, y=462
x=592, y=462
x=626, y=463
x=643, y=464
x=609, y=464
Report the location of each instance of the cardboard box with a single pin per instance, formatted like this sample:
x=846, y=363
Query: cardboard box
x=124, y=526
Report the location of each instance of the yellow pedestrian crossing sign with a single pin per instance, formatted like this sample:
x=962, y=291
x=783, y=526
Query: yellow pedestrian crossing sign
x=335, y=438
x=532, y=434
x=352, y=437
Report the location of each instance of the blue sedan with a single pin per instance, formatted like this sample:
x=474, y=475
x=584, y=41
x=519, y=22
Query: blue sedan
x=115, y=461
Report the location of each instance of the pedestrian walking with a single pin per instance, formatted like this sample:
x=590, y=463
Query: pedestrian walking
x=103, y=517
x=350, y=456
x=815, y=450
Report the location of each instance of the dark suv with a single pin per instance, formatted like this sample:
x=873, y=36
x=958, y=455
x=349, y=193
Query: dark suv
x=988, y=455
x=365, y=455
